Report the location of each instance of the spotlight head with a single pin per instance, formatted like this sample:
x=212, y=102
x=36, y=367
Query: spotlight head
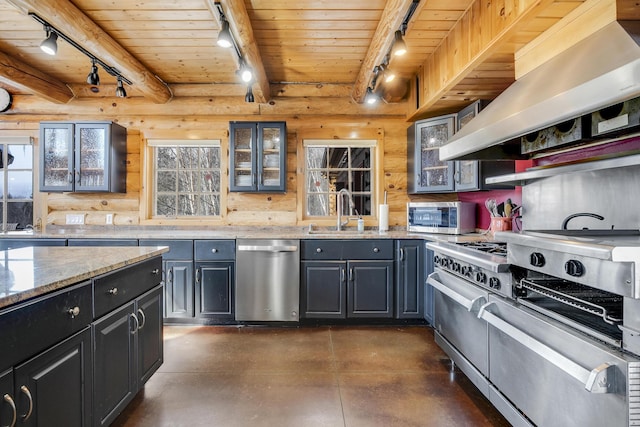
x=371, y=98
x=93, y=78
x=246, y=74
x=399, y=46
x=249, y=96
x=224, y=36
x=50, y=44
x=120, y=92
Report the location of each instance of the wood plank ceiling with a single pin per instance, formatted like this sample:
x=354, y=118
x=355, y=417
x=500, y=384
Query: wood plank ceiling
x=307, y=47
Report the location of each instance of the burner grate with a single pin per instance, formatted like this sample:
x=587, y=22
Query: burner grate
x=494, y=248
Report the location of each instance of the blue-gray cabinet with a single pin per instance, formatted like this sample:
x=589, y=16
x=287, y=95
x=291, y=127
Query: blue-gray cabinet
x=410, y=279
x=214, y=280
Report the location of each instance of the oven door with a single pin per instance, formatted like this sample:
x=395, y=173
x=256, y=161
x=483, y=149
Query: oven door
x=555, y=375
x=456, y=306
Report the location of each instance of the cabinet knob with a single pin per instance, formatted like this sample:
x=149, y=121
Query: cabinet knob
x=155, y=271
x=113, y=291
x=214, y=250
x=318, y=250
x=73, y=312
x=376, y=250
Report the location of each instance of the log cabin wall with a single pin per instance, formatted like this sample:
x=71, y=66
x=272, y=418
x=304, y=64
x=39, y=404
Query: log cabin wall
x=240, y=209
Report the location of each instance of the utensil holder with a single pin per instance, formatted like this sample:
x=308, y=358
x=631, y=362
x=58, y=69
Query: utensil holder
x=499, y=223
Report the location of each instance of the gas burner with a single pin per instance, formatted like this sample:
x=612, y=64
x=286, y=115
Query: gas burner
x=494, y=248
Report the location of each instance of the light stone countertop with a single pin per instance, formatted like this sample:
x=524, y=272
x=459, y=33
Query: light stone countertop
x=33, y=271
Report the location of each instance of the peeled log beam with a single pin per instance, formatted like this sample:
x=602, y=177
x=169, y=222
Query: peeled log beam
x=70, y=20
x=392, y=16
x=18, y=74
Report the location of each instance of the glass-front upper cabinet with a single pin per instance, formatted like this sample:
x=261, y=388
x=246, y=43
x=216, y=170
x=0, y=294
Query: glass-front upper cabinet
x=83, y=157
x=258, y=154
x=426, y=172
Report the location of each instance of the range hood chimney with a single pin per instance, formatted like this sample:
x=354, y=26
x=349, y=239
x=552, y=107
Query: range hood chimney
x=601, y=70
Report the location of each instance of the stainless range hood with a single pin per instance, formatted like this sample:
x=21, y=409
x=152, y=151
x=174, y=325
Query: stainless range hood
x=601, y=70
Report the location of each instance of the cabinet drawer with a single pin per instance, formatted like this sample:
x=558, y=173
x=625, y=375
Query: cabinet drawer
x=215, y=249
x=116, y=288
x=102, y=242
x=368, y=249
x=33, y=326
x=178, y=249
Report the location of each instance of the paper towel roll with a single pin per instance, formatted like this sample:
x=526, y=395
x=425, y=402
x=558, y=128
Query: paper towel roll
x=383, y=218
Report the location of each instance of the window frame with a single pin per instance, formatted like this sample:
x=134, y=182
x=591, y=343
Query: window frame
x=373, y=146
x=17, y=140
x=149, y=216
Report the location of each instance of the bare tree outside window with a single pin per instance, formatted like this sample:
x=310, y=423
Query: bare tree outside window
x=187, y=181
x=16, y=185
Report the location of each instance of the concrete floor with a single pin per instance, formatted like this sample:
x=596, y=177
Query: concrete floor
x=342, y=376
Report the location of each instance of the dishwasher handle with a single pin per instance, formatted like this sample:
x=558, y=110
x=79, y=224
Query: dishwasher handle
x=269, y=248
x=597, y=380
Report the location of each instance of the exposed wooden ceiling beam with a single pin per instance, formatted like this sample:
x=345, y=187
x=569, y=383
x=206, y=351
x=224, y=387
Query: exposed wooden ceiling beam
x=392, y=16
x=70, y=20
x=18, y=74
x=240, y=25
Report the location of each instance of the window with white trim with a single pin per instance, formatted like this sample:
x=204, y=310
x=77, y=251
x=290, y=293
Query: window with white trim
x=186, y=178
x=333, y=165
x=16, y=183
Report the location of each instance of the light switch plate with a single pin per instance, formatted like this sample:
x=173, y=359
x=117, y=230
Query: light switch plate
x=75, y=219
x=108, y=219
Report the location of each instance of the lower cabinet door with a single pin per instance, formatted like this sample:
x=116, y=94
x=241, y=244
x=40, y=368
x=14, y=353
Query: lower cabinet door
x=54, y=388
x=178, y=289
x=8, y=411
x=115, y=363
x=150, y=349
x=324, y=293
x=214, y=290
x=370, y=289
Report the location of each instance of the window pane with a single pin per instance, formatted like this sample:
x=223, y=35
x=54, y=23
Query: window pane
x=338, y=157
x=316, y=157
x=166, y=157
x=166, y=205
x=20, y=213
x=361, y=158
x=1, y=188
x=339, y=180
x=210, y=157
x=20, y=185
x=187, y=182
x=187, y=205
x=318, y=205
x=166, y=181
x=210, y=181
x=209, y=205
x=362, y=204
x=317, y=182
x=20, y=157
x=361, y=181
x=188, y=157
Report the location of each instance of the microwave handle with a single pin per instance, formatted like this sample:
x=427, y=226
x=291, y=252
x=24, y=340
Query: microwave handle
x=594, y=381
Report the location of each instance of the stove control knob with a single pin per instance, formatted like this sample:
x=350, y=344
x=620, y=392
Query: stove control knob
x=456, y=267
x=464, y=271
x=573, y=267
x=537, y=259
x=481, y=277
x=494, y=283
x=436, y=260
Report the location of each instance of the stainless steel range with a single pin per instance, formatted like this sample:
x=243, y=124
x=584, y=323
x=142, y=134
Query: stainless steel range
x=549, y=322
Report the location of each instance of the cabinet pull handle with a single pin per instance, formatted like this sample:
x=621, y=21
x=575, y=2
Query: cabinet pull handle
x=376, y=250
x=78, y=177
x=342, y=274
x=401, y=254
x=14, y=411
x=73, y=312
x=144, y=318
x=155, y=271
x=113, y=291
x=24, y=390
x=351, y=274
x=70, y=179
x=136, y=321
x=198, y=275
x=170, y=274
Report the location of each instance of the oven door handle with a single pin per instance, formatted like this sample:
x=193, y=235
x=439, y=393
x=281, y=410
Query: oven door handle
x=597, y=380
x=471, y=305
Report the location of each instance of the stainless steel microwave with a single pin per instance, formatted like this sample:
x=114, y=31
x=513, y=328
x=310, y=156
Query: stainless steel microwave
x=441, y=217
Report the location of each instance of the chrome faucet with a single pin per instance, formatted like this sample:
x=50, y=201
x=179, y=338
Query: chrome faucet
x=340, y=207
x=575, y=215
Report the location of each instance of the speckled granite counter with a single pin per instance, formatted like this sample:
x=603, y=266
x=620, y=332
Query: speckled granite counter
x=29, y=272
x=231, y=233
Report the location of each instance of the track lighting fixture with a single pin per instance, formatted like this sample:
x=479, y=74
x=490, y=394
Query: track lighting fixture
x=224, y=36
x=50, y=44
x=249, y=96
x=371, y=97
x=120, y=92
x=93, y=78
x=387, y=74
x=399, y=47
x=246, y=74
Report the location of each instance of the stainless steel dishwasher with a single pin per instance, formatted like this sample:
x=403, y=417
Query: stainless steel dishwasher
x=267, y=280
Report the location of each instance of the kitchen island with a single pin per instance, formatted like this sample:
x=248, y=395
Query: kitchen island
x=87, y=322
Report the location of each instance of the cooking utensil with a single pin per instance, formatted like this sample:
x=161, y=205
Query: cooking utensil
x=500, y=209
x=491, y=206
x=508, y=208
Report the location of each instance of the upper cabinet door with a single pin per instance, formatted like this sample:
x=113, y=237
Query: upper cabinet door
x=56, y=157
x=92, y=159
x=467, y=176
x=257, y=153
x=427, y=173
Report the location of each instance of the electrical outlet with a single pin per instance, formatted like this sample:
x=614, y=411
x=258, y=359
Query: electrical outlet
x=108, y=219
x=75, y=219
